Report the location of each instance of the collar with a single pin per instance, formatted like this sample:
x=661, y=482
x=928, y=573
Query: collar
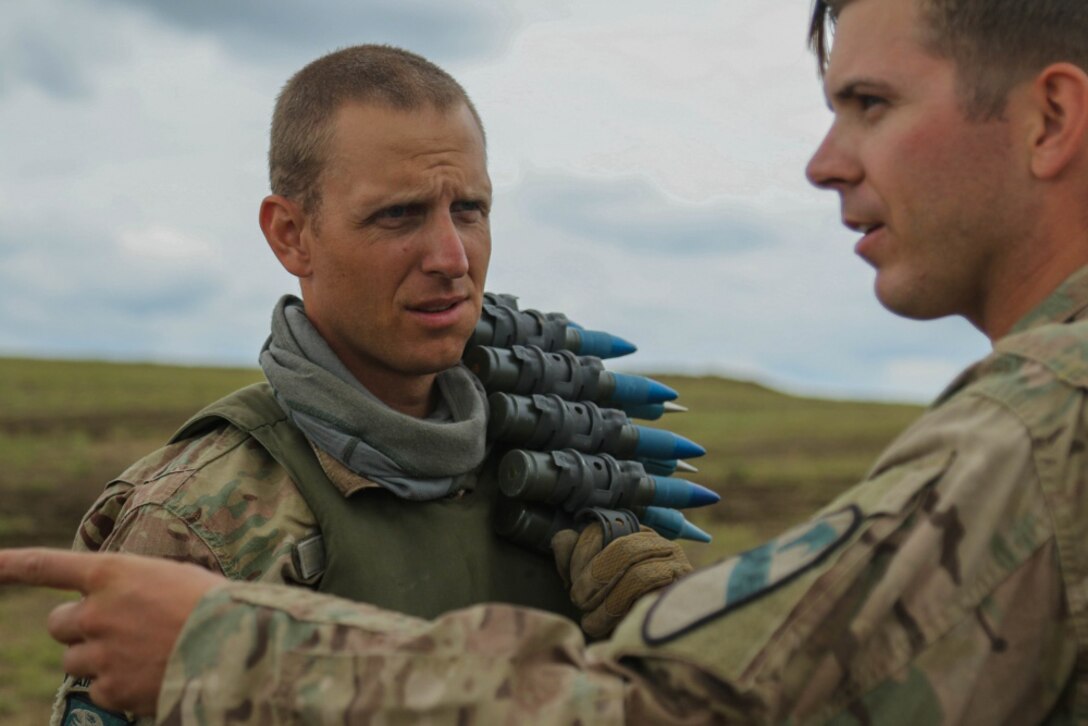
x=343, y=478
x=348, y=482
x=1067, y=303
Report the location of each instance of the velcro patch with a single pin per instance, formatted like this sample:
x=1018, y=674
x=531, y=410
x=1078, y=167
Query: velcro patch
x=712, y=592
x=79, y=711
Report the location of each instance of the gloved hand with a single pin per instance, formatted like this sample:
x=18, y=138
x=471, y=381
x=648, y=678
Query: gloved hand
x=605, y=583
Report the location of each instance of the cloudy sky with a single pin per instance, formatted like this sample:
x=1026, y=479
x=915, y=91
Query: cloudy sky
x=647, y=158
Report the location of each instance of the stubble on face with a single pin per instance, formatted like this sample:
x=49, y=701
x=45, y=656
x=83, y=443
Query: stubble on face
x=401, y=255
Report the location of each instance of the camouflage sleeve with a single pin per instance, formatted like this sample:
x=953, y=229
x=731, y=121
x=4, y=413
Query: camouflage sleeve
x=293, y=656
x=105, y=528
x=219, y=501
x=156, y=532
x=100, y=519
x=146, y=531
x=153, y=530
x=182, y=513
x=930, y=593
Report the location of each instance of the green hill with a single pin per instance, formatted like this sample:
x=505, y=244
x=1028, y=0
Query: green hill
x=773, y=457
x=68, y=427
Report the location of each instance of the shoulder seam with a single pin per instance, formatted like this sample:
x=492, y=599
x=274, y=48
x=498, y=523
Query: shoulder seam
x=194, y=467
x=214, y=551
x=186, y=474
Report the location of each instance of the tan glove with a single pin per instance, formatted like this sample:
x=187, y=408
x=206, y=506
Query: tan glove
x=604, y=584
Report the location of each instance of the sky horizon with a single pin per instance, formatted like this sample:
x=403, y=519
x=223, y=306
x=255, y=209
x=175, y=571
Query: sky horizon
x=647, y=164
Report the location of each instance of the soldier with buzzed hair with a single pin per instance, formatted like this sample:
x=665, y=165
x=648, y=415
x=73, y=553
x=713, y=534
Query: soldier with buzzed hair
x=947, y=587
x=360, y=468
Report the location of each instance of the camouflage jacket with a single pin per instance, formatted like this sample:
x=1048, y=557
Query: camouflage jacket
x=947, y=587
x=218, y=500
x=222, y=501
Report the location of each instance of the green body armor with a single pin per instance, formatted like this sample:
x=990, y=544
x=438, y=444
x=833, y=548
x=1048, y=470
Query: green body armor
x=419, y=558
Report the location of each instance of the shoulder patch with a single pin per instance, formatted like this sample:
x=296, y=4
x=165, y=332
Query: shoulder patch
x=79, y=711
x=740, y=580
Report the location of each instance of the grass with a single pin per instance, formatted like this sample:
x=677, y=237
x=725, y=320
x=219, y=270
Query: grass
x=68, y=427
x=33, y=390
x=30, y=662
x=774, y=458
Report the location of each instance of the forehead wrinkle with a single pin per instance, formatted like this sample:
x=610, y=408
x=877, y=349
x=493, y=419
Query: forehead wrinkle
x=445, y=171
x=423, y=190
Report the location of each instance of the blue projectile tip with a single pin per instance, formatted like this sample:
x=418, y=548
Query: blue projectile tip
x=621, y=347
x=690, y=531
x=602, y=345
x=659, y=444
x=681, y=494
x=686, y=449
x=639, y=390
x=659, y=392
x=671, y=524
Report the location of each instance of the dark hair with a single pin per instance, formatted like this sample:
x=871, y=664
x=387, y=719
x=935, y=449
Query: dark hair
x=995, y=44
x=302, y=119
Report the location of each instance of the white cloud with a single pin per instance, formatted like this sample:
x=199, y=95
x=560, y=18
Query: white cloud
x=648, y=165
x=707, y=100
x=270, y=30
x=165, y=244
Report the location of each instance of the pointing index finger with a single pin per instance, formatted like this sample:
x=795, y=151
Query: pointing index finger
x=43, y=567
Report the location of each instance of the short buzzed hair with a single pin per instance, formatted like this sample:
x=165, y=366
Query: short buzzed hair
x=995, y=44
x=302, y=119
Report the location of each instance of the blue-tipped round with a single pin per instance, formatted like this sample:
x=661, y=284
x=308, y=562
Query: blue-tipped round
x=681, y=494
x=639, y=390
x=602, y=345
x=670, y=524
x=659, y=444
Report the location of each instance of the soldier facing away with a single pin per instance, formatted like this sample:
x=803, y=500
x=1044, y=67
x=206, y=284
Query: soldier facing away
x=947, y=587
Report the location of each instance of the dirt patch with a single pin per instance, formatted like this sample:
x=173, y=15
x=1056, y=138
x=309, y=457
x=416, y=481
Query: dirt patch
x=96, y=426
x=31, y=519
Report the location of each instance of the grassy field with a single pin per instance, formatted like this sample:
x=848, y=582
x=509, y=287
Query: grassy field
x=67, y=428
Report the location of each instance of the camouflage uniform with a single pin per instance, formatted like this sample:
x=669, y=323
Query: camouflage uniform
x=222, y=501
x=219, y=500
x=947, y=587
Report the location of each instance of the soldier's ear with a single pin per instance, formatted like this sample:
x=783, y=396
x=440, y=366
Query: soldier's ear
x=284, y=225
x=1059, y=105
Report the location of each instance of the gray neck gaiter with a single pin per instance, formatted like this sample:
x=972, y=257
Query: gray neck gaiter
x=417, y=459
